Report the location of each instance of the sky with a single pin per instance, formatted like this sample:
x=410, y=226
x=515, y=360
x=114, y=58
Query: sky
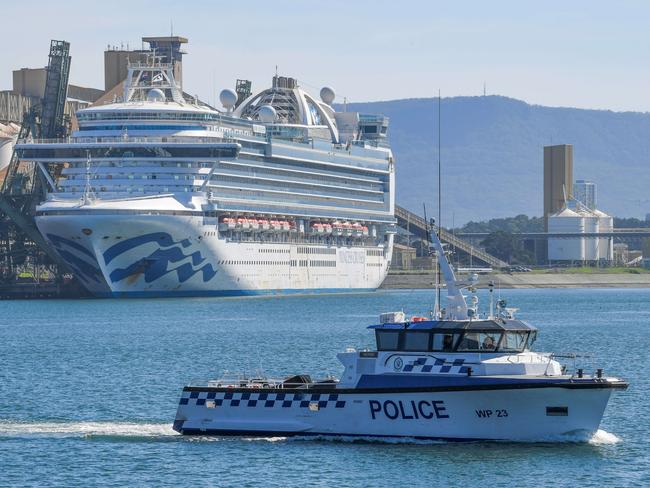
x=587, y=54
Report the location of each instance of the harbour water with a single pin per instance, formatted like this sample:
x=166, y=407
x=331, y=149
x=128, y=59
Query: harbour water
x=89, y=388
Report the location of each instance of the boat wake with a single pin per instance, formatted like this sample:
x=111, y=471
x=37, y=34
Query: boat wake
x=86, y=429
x=163, y=431
x=602, y=437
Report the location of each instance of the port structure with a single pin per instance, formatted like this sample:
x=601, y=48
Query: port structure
x=23, y=250
x=420, y=228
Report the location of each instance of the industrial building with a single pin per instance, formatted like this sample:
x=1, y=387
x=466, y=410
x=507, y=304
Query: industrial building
x=575, y=218
x=572, y=209
x=558, y=177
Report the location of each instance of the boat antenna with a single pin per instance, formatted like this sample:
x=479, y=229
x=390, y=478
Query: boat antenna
x=439, y=204
x=436, y=305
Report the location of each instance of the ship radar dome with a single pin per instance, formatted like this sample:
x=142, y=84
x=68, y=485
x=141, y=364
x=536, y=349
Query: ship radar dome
x=156, y=95
x=228, y=98
x=327, y=95
x=267, y=114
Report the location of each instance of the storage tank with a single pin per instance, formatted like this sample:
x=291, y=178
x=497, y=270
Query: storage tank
x=605, y=244
x=8, y=136
x=566, y=249
x=591, y=221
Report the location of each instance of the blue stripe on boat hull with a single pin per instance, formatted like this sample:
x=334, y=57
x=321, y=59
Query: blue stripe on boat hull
x=229, y=293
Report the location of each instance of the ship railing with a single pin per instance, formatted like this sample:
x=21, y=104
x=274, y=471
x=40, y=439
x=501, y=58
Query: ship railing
x=262, y=382
x=132, y=139
x=575, y=364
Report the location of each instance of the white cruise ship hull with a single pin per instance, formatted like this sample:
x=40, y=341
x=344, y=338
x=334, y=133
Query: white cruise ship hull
x=517, y=414
x=174, y=255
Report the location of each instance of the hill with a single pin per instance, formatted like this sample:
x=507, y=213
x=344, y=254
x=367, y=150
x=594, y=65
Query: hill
x=492, y=154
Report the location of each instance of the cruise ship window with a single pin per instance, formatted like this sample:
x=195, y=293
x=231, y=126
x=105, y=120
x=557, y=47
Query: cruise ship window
x=416, y=341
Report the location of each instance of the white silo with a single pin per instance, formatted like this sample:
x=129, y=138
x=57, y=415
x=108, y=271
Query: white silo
x=605, y=244
x=566, y=249
x=591, y=244
x=8, y=136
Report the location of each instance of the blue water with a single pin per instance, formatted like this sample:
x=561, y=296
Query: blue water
x=89, y=388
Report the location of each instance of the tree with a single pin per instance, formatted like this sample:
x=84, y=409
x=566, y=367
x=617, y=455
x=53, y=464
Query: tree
x=507, y=247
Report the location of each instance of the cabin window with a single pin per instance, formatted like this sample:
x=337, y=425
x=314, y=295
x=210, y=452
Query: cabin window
x=480, y=341
x=514, y=341
x=445, y=342
x=416, y=341
x=388, y=340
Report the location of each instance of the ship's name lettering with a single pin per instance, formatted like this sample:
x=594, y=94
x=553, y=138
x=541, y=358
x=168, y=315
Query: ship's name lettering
x=408, y=410
x=352, y=257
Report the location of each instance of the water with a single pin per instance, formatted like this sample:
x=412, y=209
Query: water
x=89, y=388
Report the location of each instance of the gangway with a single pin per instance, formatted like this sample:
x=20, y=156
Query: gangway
x=418, y=226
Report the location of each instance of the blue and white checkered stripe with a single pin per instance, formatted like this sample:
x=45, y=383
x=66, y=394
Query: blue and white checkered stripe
x=268, y=400
x=435, y=365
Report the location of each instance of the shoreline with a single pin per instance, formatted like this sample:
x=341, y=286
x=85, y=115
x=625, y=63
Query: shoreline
x=529, y=280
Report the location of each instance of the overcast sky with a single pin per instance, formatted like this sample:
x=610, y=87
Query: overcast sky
x=590, y=54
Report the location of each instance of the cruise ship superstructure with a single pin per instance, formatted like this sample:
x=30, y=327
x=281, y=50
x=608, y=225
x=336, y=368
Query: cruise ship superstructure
x=161, y=195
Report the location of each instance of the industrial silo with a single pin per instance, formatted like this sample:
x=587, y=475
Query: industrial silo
x=8, y=135
x=605, y=244
x=566, y=249
x=591, y=222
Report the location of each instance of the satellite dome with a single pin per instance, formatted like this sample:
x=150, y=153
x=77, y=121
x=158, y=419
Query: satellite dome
x=267, y=114
x=228, y=98
x=156, y=95
x=327, y=95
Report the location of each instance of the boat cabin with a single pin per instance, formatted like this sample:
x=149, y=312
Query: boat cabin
x=495, y=335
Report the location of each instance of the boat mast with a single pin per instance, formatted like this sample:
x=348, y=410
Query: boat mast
x=439, y=213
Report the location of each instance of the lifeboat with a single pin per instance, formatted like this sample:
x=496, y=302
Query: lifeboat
x=292, y=226
x=285, y=225
x=276, y=225
x=264, y=224
x=327, y=228
x=364, y=231
x=348, y=230
x=317, y=228
x=243, y=224
x=337, y=228
x=357, y=229
x=227, y=223
x=254, y=224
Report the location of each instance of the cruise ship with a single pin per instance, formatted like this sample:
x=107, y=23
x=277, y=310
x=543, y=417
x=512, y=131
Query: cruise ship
x=162, y=195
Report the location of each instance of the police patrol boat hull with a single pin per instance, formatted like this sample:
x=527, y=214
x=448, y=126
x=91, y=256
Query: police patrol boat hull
x=454, y=375
x=498, y=412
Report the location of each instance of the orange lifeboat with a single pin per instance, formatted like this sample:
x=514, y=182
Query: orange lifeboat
x=264, y=224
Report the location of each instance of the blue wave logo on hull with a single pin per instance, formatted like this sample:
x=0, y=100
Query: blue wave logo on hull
x=79, y=258
x=156, y=264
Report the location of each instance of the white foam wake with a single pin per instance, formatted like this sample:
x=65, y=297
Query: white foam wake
x=603, y=437
x=85, y=429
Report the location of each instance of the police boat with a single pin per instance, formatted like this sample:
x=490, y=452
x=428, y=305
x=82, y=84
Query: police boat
x=454, y=375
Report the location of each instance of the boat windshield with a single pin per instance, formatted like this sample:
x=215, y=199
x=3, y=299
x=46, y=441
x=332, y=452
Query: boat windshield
x=442, y=341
